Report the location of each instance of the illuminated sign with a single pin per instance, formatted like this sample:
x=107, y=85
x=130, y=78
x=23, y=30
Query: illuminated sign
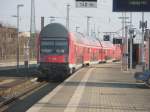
x=87, y=0
x=131, y=5
x=86, y=3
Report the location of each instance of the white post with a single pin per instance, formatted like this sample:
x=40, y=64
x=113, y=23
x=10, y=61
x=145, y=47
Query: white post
x=88, y=24
x=131, y=38
x=18, y=7
x=67, y=18
x=123, y=42
x=126, y=38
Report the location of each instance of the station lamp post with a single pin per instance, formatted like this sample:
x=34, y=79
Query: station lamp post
x=143, y=26
x=17, y=50
x=88, y=24
x=68, y=16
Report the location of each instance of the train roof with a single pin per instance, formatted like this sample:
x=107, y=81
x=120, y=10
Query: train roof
x=91, y=41
x=54, y=30
x=107, y=45
x=84, y=40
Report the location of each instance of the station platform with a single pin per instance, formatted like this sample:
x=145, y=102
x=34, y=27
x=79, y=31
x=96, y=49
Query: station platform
x=97, y=88
x=7, y=65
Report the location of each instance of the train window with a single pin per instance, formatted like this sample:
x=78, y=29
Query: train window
x=61, y=46
x=60, y=43
x=47, y=43
x=54, y=46
x=99, y=51
x=46, y=51
x=88, y=50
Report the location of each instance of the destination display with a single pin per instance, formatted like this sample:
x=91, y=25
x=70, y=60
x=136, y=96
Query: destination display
x=131, y=5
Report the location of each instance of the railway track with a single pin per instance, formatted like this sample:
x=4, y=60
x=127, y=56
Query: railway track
x=11, y=91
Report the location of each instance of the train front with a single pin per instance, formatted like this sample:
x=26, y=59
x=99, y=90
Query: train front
x=54, y=48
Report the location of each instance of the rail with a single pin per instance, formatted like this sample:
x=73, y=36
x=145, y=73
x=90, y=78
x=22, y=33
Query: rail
x=16, y=91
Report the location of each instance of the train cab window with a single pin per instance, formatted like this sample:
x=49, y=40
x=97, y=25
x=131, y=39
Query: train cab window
x=54, y=46
x=61, y=46
x=60, y=42
x=47, y=44
x=45, y=51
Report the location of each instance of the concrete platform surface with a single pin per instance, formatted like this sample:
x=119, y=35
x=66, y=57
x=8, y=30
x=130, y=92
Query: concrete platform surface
x=12, y=65
x=98, y=88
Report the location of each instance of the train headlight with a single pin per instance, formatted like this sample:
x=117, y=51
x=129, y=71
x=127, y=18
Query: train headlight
x=60, y=51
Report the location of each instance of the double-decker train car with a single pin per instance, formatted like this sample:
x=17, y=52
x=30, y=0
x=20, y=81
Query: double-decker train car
x=62, y=52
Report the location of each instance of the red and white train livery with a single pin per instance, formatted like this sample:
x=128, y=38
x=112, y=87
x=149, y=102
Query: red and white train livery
x=62, y=52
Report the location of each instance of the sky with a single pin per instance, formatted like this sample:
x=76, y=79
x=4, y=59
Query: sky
x=103, y=19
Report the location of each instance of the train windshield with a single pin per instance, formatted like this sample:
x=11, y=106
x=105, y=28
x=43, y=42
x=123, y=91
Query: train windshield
x=54, y=47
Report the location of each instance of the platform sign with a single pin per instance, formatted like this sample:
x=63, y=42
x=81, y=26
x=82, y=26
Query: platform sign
x=86, y=3
x=106, y=37
x=131, y=5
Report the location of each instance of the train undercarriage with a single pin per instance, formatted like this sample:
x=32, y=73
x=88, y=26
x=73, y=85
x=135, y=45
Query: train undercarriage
x=53, y=71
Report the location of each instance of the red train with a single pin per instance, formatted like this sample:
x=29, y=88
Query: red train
x=62, y=52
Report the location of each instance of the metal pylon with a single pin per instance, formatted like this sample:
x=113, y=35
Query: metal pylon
x=32, y=29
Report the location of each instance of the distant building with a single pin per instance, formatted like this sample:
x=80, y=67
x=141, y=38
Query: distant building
x=7, y=33
x=8, y=42
x=24, y=34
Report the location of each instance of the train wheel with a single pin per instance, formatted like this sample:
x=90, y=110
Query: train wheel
x=73, y=70
x=87, y=64
x=148, y=82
